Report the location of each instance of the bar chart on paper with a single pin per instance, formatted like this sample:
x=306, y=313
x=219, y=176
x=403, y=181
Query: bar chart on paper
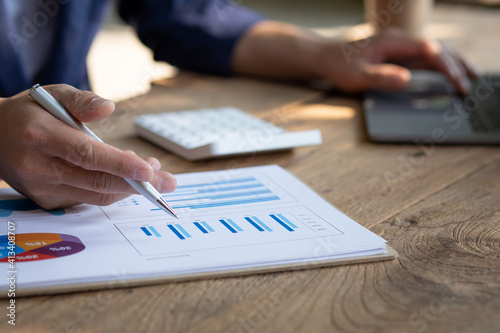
x=236, y=210
x=230, y=222
x=236, y=229
x=197, y=195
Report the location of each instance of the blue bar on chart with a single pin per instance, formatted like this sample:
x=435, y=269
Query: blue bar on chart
x=235, y=226
x=209, y=228
x=220, y=193
x=258, y=227
x=262, y=224
x=225, y=203
x=153, y=230
x=175, y=231
x=286, y=226
x=146, y=231
x=212, y=189
x=210, y=196
x=287, y=221
x=198, y=225
x=230, y=181
x=184, y=232
x=228, y=226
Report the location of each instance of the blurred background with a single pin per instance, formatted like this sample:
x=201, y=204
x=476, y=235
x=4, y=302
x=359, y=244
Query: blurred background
x=121, y=67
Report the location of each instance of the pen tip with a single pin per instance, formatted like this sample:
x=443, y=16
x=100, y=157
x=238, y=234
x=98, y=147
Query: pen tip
x=166, y=207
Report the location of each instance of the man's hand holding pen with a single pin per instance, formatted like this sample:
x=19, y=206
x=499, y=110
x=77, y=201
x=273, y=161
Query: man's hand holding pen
x=58, y=166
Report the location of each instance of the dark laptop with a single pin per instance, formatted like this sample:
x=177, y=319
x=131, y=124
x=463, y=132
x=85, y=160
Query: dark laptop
x=429, y=109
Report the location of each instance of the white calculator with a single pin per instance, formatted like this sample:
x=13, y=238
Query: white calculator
x=210, y=133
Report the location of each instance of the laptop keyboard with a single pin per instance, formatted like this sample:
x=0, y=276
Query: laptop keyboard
x=485, y=115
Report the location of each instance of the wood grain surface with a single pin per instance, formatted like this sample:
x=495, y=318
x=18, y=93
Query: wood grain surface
x=438, y=206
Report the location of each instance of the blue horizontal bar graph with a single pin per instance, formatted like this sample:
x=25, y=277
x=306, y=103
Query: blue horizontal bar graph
x=214, y=189
x=175, y=231
x=225, y=196
x=225, y=203
x=231, y=181
x=146, y=231
x=258, y=227
x=262, y=224
x=228, y=226
x=244, y=190
x=286, y=226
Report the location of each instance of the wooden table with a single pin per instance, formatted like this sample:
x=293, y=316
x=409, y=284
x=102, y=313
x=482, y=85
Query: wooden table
x=437, y=206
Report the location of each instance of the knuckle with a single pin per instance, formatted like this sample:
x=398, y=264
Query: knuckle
x=32, y=136
x=103, y=199
x=60, y=89
x=69, y=96
x=100, y=182
x=26, y=169
x=59, y=170
x=82, y=154
x=61, y=86
x=74, y=100
x=75, y=103
x=430, y=48
x=65, y=86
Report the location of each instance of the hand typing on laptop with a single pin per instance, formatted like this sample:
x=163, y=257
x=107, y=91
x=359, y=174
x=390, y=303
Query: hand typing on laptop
x=381, y=61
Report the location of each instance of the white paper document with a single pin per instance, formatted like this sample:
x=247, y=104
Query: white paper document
x=230, y=220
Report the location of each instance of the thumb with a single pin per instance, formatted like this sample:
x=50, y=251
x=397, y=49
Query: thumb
x=83, y=105
x=385, y=76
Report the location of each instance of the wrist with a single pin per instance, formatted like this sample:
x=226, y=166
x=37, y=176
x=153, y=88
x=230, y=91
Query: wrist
x=320, y=58
x=278, y=50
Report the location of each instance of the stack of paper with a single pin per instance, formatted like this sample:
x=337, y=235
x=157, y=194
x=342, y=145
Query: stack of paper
x=231, y=222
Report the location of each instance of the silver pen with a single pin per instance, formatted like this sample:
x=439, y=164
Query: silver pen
x=55, y=108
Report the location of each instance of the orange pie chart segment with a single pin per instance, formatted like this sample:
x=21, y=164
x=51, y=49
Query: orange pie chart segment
x=35, y=240
x=39, y=246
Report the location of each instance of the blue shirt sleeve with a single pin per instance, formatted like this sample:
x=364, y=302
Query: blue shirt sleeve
x=197, y=35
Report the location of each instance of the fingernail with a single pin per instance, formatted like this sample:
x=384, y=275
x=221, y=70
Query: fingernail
x=144, y=175
x=166, y=185
x=155, y=164
x=163, y=186
x=98, y=102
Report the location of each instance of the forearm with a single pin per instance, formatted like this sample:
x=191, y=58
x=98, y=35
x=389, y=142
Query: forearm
x=278, y=50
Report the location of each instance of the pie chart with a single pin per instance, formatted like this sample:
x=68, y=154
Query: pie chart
x=40, y=246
